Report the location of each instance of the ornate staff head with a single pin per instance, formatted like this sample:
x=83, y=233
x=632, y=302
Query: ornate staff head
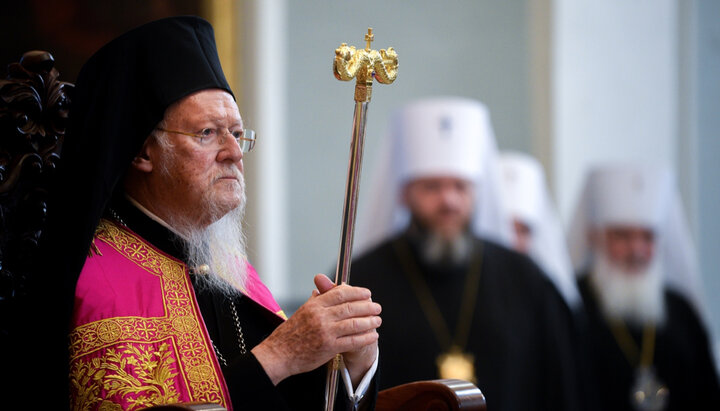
x=365, y=65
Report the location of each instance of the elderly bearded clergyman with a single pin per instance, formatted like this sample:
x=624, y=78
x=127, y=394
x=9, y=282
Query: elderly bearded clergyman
x=644, y=344
x=148, y=233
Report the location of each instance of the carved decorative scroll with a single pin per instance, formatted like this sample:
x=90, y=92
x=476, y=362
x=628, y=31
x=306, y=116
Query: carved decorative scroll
x=33, y=116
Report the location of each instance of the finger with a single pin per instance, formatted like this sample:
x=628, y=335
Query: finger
x=323, y=283
x=344, y=293
x=352, y=309
x=357, y=341
x=354, y=326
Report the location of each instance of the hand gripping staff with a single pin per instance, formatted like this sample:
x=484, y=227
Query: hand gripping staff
x=364, y=65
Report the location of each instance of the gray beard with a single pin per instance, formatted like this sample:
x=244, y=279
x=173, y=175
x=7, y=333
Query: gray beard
x=438, y=250
x=221, y=247
x=637, y=298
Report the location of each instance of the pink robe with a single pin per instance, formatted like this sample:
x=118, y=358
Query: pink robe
x=138, y=338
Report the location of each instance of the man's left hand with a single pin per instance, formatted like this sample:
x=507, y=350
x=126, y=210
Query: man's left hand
x=357, y=362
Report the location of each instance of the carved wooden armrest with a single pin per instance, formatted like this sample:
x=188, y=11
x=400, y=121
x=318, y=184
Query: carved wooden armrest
x=432, y=395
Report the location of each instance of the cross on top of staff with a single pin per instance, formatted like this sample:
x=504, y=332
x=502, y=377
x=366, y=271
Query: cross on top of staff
x=369, y=37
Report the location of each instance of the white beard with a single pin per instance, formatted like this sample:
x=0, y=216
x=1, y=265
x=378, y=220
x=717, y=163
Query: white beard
x=637, y=298
x=220, y=246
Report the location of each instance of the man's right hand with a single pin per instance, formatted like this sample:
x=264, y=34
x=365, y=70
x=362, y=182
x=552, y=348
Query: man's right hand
x=341, y=319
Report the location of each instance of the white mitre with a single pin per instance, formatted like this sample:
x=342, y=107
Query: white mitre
x=441, y=137
x=435, y=137
x=526, y=198
x=638, y=196
x=524, y=191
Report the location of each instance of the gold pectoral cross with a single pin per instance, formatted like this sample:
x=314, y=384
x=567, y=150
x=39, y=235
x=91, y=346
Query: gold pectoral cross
x=456, y=364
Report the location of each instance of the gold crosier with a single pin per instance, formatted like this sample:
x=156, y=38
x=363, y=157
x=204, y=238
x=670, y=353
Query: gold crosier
x=363, y=65
x=454, y=362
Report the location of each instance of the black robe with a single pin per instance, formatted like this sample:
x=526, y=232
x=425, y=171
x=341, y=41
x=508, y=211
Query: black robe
x=249, y=386
x=682, y=357
x=521, y=335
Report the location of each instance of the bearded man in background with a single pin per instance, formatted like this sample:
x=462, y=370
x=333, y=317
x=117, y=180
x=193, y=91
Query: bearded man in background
x=458, y=303
x=644, y=343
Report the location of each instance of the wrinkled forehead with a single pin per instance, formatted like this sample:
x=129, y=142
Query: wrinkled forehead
x=211, y=105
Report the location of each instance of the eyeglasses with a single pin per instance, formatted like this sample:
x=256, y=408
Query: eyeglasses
x=215, y=137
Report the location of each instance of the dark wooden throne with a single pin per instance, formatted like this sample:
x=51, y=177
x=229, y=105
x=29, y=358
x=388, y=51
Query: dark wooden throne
x=33, y=117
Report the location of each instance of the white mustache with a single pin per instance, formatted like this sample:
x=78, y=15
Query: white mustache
x=233, y=171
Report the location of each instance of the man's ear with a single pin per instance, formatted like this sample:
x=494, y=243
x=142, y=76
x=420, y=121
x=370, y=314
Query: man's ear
x=144, y=160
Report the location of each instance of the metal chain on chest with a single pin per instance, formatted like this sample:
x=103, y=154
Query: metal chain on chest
x=220, y=357
x=116, y=217
x=238, y=329
x=240, y=336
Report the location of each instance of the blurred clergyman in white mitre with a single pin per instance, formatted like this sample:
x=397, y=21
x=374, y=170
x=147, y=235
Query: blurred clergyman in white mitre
x=457, y=302
x=537, y=229
x=645, y=345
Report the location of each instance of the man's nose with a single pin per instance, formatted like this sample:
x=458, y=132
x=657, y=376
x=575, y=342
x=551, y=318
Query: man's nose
x=449, y=196
x=641, y=250
x=230, y=149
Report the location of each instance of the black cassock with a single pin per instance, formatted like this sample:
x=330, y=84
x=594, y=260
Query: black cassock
x=521, y=334
x=682, y=358
x=248, y=384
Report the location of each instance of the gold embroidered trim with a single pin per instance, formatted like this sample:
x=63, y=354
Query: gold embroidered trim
x=137, y=355
x=143, y=376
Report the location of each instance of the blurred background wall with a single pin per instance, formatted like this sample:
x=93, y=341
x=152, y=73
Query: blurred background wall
x=572, y=82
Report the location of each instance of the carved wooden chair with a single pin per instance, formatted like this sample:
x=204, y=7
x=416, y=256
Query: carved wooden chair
x=33, y=116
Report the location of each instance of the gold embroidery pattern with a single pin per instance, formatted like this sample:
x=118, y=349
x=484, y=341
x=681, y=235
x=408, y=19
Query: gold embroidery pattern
x=149, y=381
x=120, y=340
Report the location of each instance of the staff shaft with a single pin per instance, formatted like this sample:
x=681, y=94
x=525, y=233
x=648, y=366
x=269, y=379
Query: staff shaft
x=342, y=271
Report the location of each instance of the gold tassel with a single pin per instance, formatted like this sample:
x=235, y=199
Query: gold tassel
x=94, y=249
